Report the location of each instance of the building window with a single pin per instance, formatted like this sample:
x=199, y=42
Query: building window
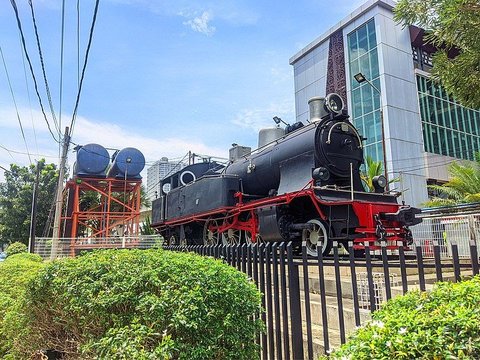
x=448, y=128
x=363, y=57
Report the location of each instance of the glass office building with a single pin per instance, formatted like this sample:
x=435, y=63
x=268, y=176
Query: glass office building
x=424, y=128
x=448, y=128
x=363, y=57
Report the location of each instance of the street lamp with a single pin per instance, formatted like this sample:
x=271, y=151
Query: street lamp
x=360, y=78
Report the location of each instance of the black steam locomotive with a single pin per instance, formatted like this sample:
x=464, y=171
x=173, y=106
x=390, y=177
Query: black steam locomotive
x=302, y=184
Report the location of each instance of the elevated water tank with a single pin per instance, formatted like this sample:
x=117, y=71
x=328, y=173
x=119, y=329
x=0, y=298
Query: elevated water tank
x=266, y=136
x=128, y=163
x=92, y=160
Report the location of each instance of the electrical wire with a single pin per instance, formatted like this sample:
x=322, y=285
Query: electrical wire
x=42, y=62
x=87, y=52
x=10, y=151
x=24, y=46
x=15, y=103
x=61, y=73
x=172, y=171
x=28, y=95
x=78, y=43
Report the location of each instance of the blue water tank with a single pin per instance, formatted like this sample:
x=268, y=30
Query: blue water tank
x=128, y=163
x=92, y=160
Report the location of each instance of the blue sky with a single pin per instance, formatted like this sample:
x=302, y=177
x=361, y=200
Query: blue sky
x=163, y=76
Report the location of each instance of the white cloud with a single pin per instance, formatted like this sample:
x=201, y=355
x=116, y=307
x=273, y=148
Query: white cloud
x=107, y=134
x=201, y=24
x=281, y=74
x=113, y=136
x=261, y=117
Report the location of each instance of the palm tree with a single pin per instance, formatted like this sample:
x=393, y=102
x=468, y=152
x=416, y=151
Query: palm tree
x=373, y=168
x=463, y=186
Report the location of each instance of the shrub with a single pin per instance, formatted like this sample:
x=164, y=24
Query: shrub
x=150, y=304
x=441, y=324
x=16, y=248
x=15, y=272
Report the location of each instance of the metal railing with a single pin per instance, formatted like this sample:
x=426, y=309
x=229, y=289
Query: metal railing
x=71, y=247
x=445, y=229
x=311, y=305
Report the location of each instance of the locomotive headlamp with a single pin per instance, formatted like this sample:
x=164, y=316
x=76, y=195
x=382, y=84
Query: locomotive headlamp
x=334, y=103
x=322, y=107
x=379, y=183
x=321, y=173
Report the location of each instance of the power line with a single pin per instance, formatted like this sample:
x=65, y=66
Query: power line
x=172, y=171
x=19, y=24
x=15, y=103
x=49, y=97
x=10, y=151
x=78, y=43
x=47, y=87
x=87, y=52
x=29, y=97
x=61, y=69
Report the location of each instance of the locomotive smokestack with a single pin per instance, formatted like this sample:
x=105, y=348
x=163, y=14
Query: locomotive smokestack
x=316, y=108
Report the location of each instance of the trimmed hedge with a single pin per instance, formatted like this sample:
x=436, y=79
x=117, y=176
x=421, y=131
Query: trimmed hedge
x=141, y=304
x=16, y=248
x=15, y=273
x=441, y=324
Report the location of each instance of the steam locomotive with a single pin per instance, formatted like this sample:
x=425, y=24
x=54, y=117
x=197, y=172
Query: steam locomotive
x=302, y=184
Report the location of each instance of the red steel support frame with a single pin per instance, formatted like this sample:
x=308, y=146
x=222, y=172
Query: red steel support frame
x=115, y=211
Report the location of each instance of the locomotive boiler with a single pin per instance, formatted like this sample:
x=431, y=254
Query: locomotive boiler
x=303, y=186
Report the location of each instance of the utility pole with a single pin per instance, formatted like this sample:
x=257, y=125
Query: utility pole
x=33, y=215
x=58, y=198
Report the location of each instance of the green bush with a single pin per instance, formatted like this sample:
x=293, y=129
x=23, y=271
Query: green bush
x=16, y=248
x=441, y=324
x=133, y=304
x=15, y=272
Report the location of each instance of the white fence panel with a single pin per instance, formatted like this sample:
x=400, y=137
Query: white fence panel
x=445, y=230
x=64, y=248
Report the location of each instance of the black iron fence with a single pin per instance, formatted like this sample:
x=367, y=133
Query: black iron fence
x=311, y=304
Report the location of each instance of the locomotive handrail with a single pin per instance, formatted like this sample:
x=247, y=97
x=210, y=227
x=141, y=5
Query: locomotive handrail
x=350, y=126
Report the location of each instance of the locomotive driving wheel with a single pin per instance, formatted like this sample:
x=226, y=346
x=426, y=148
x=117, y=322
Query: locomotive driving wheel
x=172, y=240
x=210, y=235
x=315, y=236
x=232, y=237
x=248, y=238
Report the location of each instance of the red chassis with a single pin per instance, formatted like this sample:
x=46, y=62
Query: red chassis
x=378, y=221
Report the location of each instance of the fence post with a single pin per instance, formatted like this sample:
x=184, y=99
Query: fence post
x=321, y=280
x=456, y=261
x=295, y=305
x=474, y=256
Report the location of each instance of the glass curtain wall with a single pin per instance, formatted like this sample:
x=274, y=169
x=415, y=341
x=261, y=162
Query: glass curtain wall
x=448, y=128
x=363, y=57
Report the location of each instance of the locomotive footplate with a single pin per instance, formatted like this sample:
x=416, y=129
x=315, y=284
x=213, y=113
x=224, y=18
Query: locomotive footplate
x=404, y=215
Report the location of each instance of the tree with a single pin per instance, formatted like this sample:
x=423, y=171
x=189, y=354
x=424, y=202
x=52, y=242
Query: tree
x=16, y=200
x=463, y=186
x=373, y=168
x=450, y=24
